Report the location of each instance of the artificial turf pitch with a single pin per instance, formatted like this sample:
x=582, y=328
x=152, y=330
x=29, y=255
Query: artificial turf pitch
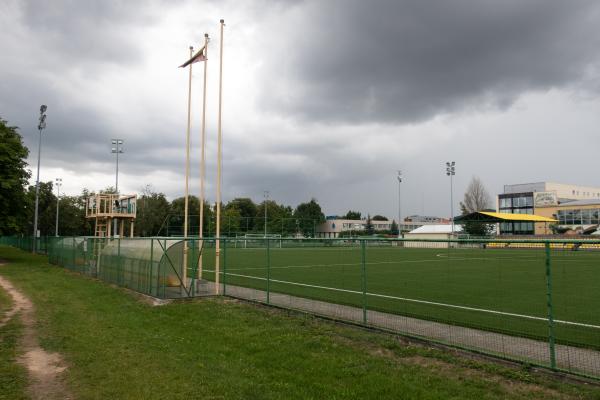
x=503, y=290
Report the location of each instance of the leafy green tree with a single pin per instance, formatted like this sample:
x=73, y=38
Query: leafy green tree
x=394, y=228
x=379, y=218
x=279, y=218
x=72, y=221
x=247, y=211
x=308, y=216
x=369, y=228
x=13, y=156
x=230, y=221
x=46, y=209
x=152, y=210
x=352, y=215
x=177, y=216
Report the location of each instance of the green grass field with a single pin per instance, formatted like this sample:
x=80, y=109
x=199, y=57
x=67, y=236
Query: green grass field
x=119, y=347
x=502, y=290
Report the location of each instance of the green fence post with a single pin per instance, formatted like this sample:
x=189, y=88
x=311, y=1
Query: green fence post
x=268, y=271
x=152, y=268
x=549, y=304
x=73, y=252
x=225, y=267
x=364, y=279
x=85, y=255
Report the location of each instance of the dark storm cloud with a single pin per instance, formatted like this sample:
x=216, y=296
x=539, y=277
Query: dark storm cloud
x=404, y=61
x=87, y=32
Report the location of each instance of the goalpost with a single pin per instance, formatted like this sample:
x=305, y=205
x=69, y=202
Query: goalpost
x=257, y=238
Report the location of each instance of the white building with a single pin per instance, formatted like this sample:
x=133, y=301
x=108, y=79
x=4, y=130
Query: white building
x=333, y=227
x=439, y=232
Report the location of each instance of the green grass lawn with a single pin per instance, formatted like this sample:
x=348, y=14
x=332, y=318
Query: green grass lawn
x=400, y=280
x=119, y=347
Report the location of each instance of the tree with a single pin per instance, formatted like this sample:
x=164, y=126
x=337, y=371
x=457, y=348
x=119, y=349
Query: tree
x=152, y=210
x=279, y=218
x=369, y=228
x=247, y=210
x=13, y=156
x=72, y=221
x=308, y=215
x=177, y=216
x=46, y=209
x=379, y=218
x=394, y=230
x=352, y=215
x=476, y=199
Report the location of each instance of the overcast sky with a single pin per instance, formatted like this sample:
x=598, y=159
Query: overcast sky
x=323, y=99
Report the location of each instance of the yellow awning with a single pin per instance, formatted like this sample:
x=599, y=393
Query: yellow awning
x=518, y=217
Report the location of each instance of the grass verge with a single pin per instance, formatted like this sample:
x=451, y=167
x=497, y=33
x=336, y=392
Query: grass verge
x=119, y=347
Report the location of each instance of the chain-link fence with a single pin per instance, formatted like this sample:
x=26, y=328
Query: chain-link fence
x=535, y=301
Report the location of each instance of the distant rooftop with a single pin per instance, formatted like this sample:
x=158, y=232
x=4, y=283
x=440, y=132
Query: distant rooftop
x=440, y=228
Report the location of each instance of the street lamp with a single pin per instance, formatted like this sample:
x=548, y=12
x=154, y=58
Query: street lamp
x=451, y=171
x=58, y=185
x=41, y=126
x=266, y=195
x=399, y=204
x=117, y=148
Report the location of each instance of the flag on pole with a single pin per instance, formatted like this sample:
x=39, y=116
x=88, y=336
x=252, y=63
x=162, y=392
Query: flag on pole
x=199, y=56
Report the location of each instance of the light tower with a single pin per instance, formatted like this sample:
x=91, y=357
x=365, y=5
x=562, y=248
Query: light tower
x=58, y=185
x=451, y=171
x=399, y=203
x=116, y=149
x=41, y=126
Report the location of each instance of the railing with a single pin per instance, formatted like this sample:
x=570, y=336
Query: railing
x=534, y=301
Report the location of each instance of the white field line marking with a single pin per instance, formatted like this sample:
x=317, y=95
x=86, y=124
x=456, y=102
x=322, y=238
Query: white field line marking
x=330, y=265
x=491, y=257
x=418, y=301
x=358, y=263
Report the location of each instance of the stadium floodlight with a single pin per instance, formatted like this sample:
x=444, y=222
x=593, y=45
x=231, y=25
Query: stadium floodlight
x=399, y=203
x=41, y=126
x=451, y=171
x=58, y=185
x=117, y=149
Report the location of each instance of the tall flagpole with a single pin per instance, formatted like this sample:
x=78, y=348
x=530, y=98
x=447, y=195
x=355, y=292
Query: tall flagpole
x=203, y=155
x=187, y=174
x=218, y=233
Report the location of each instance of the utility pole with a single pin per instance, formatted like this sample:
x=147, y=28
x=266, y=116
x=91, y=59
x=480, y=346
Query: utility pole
x=451, y=171
x=399, y=204
x=41, y=126
x=58, y=185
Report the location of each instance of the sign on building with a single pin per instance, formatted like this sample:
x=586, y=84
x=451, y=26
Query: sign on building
x=541, y=199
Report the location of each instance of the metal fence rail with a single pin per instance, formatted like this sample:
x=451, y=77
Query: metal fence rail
x=534, y=301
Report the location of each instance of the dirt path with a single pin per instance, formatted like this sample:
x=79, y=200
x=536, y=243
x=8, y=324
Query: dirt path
x=45, y=369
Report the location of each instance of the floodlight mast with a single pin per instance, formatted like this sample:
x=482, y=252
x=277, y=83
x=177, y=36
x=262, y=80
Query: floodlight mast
x=41, y=126
x=399, y=204
x=451, y=171
x=117, y=149
x=58, y=185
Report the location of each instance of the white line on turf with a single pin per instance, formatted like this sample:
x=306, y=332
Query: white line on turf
x=441, y=259
x=483, y=310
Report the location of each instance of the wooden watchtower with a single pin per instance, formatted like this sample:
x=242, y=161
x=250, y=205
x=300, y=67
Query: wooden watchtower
x=106, y=208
